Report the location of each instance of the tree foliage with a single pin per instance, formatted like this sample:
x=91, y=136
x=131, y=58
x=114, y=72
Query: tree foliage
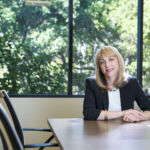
x=34, y=42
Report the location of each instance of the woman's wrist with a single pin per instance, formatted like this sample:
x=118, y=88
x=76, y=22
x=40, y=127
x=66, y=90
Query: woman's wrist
x=112, y=114
x=106, y=114
x=146, y=115
x=123, y=113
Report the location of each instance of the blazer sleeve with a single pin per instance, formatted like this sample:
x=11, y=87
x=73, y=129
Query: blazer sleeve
x=141, y=99
x=90, y=111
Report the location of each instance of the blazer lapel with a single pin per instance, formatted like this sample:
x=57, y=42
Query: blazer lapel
x=105, y=100
x=122, y=98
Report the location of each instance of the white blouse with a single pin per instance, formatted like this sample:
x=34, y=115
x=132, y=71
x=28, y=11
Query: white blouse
x=114, y=100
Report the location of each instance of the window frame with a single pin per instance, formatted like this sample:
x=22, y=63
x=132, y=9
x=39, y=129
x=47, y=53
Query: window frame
x=70, y=53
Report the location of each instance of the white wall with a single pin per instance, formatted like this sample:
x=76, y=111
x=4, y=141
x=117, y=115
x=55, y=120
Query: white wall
x=34, y=112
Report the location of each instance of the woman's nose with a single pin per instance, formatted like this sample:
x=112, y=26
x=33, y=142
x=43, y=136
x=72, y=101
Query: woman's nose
x=106, y=63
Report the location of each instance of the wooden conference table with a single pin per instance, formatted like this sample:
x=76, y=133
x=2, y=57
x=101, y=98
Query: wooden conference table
x=77, y=134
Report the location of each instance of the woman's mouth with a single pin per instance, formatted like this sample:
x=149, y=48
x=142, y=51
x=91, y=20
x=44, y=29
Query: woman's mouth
x=109, y=70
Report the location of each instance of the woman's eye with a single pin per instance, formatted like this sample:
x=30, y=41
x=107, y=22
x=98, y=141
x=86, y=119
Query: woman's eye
x=111, y=59
x=101, y=62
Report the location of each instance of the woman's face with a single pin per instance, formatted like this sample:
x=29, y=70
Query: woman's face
x=109, y=66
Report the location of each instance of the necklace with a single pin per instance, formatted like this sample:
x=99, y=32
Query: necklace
x=114, y=89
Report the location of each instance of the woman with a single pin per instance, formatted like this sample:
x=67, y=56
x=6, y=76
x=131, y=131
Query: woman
x=112, y=93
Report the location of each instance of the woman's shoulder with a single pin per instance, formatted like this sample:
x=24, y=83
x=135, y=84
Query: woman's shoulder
x=91, y=80
x=131, y=80
x=91, y=83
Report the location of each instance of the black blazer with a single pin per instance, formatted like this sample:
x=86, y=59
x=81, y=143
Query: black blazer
x=95, y=100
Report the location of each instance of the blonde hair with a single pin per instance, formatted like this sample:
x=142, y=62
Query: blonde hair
x=121, y=79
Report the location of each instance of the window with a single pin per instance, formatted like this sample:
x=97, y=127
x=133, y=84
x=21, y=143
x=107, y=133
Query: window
x=98, y=23
x=36, y=36
x=34, y=43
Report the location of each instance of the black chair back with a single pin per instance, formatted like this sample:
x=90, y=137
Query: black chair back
x=5, y=100
x=8, y=134
x=13, y=114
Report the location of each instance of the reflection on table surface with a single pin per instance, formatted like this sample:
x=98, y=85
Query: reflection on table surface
x=77, y=134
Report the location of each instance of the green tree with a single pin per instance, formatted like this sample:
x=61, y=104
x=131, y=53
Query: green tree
x=34, y=42
x=99, y=23
x=33, y=48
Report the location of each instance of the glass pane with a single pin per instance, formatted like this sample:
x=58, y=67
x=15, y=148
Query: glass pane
x=146, y=48
x=98, y=23
x=33, y=47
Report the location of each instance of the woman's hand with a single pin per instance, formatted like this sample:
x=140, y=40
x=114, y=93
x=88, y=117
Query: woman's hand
x=132, y=115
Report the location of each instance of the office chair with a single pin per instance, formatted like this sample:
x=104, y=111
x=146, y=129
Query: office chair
x=20, y=130
x=8, y=134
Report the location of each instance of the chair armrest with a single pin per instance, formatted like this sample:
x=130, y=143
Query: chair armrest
x=37, y=129
x=40, y=145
